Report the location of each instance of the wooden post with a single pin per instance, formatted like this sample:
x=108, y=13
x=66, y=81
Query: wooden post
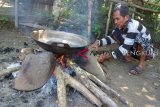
x=16, y=13
x=108, y=19
x=89, y=16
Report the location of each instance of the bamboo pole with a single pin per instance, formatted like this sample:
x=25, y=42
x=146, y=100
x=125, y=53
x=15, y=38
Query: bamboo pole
x=109, y=17
x=89, y=16
x=16, y=13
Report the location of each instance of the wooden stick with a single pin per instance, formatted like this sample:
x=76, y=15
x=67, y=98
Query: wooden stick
x=8, y=71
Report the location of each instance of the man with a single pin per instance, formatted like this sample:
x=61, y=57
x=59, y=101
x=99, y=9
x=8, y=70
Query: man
x=133, y=38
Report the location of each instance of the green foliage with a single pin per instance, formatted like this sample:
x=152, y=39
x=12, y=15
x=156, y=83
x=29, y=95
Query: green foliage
x=104, y=8
x=4, y=19
x=96, y=30
x=5, y=23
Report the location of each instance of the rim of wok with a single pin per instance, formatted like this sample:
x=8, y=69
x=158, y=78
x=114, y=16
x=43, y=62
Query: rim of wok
x=41, y=35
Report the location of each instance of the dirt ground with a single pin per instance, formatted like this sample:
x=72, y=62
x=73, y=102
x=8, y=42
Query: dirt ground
x=141, y=91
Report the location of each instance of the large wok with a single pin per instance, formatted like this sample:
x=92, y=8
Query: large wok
x=59, y=42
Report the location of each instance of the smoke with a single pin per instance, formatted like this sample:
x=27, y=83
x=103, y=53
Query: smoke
x=72, y=16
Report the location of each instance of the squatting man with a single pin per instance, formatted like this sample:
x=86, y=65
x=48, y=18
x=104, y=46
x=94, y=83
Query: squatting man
x=133, y=38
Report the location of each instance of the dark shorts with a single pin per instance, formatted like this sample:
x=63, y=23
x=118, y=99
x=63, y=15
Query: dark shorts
x=136, y=52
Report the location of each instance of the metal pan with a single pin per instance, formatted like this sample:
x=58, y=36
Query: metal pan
x=59, y=42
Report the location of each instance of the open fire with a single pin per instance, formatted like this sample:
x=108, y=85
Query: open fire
x=58, y=69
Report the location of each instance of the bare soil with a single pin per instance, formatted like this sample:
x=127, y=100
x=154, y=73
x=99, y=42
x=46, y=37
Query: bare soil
x=141, y=91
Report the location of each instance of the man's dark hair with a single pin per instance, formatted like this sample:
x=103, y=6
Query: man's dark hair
x=124, y=10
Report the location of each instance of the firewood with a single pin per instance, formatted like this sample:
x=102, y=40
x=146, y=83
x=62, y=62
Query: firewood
x=82, y=74
x=9, y=71
x=83, y=90
x=100, y=83
x=109, y=89
x=61, y=87
x=64, y=79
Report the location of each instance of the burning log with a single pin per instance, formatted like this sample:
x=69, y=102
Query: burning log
x=64, y=79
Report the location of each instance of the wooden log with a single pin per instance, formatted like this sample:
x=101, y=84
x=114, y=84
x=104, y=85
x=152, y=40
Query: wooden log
x=63, y=76
x=9, y=71
x=109, y=89
x=83, y=90
x=61, y=87
x=98, y=92
x=82, y=74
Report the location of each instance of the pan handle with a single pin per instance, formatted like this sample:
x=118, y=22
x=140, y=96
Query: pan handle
x=60, y=44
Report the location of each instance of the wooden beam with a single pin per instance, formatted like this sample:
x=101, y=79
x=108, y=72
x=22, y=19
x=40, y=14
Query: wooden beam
x=136, y=6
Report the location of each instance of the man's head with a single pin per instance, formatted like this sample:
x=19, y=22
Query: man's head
x=120, y=15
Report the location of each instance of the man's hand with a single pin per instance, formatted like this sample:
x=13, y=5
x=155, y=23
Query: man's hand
x=95, y=45
x=104, y=56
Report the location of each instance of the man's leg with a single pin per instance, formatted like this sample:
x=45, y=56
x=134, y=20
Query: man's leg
x=140, y=55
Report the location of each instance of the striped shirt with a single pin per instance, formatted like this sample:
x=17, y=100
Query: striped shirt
x=133, y=32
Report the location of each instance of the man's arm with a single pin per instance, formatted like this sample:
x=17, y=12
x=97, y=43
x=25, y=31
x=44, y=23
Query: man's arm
x=125, y=47
x=106, y=41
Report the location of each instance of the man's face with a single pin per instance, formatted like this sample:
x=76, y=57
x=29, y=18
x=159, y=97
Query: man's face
x=119, y=20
